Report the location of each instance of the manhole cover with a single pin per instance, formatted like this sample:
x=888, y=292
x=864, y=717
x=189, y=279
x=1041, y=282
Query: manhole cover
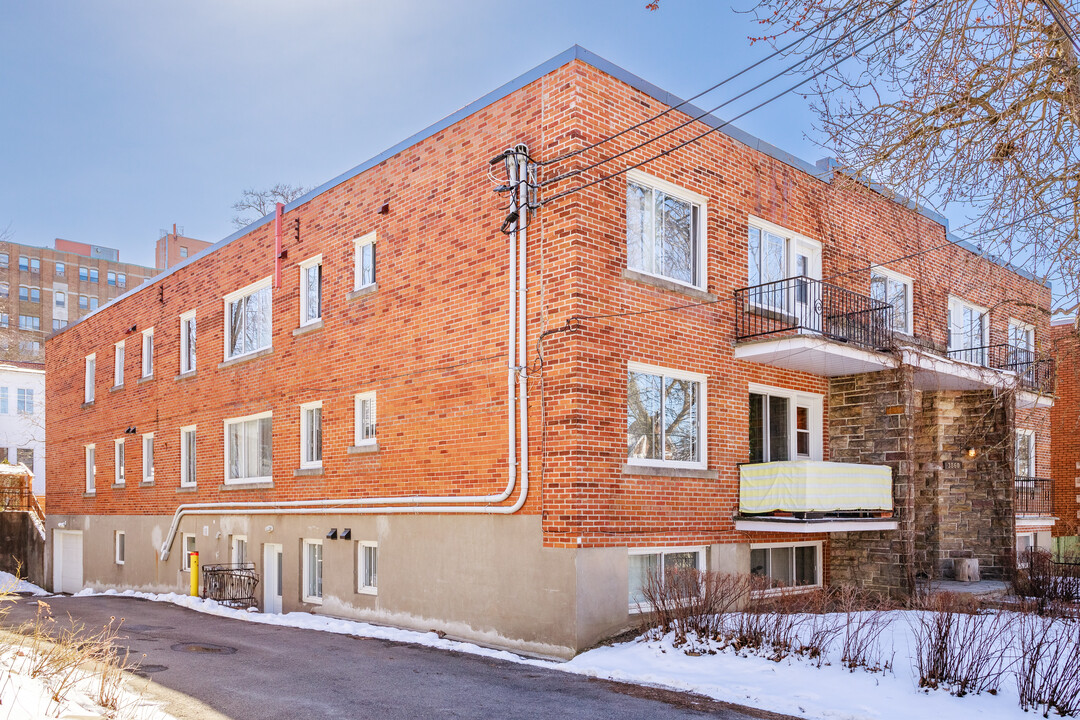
x=146, y=670
x=206, y=648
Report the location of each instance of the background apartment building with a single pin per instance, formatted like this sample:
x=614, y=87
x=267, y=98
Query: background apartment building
x=22, y=418
x=726, y=359
x=173, y=247
x=42, y=290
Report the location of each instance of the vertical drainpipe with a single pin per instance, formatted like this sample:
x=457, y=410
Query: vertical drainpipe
x=522, y=158
x=511, y=370
x=277, y=244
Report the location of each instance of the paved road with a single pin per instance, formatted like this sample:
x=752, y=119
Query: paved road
x=267, y=672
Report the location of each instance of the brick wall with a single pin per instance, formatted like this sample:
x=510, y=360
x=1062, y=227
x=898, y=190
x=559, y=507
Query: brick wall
x=1065, y=421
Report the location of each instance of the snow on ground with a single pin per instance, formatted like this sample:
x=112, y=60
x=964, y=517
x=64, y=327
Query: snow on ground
x=792, y=686
x=11, y=584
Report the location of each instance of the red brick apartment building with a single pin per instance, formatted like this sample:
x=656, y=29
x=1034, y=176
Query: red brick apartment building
x=738, y=374
x=1065, y=424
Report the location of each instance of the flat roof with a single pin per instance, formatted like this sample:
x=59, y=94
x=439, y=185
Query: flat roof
x=822, y=170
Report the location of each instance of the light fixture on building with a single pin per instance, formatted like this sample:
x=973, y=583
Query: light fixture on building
x=269, y=528
x=971, y=452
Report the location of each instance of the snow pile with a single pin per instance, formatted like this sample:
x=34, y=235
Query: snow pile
x=11, y=584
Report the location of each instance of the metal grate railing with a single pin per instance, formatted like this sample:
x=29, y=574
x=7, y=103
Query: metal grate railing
x=803, y=304
x=1033, y=496
x=1033, y=372
x=231, y=584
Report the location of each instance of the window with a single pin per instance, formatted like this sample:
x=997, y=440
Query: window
x=968, y=332
x=1021, y=345
x=4, y=289
x=312, y=571
x=60, y=269
x=91, y=469
x=93, y=303
x=119, y=448
x=775, y=253
x=60, y=298
x=88, y=385
x=787, y=565
x=58, y=324
x=1025, y=453
x=239, y=549
x=368, y=571
x=664, y=234
x=35, y=294
x=118, y=364
x=148, y=353
x=3, y=260
x=649, y=564
x=35, y=265
x=311, y=290
x=29, y=322
x=29, y=347
x=187, y=342
x=187, y=456
x=4, y=321
x=364, y=272
x=188, y=546
x=311, y=435
x=1025, y=543
x=121, y=280
x=25, y=401
x=148, y=457
x=366, y=419
x=25, y=456
x=24, y=262
x=94, y=275
x=3, y=401
x=784, y=425
x=248, y=449
x=84, y=274
x=111, y=278
x=183, y=251
x=664, y=420
x=24, y=293
x=120, y=547
x=84, y=302
x=248, y=320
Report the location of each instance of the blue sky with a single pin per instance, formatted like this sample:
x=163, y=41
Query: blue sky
x=121, y=118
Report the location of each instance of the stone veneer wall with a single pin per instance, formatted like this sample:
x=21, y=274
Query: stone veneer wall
x=949, y=505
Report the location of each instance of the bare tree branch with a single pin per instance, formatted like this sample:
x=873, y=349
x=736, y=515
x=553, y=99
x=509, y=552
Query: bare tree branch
x=262, y=202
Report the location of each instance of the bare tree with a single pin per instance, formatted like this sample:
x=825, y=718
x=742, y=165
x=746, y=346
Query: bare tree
x=262, y=202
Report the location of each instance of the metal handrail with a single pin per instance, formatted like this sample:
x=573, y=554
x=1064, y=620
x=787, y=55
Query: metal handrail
x=231, y=584
x=1033, y=372
x=804, y=304
x=1033, y=496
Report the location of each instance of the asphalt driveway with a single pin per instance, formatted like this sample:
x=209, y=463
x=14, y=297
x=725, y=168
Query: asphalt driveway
x=206, y=667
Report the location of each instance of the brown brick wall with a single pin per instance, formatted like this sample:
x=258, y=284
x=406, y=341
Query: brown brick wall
x=1065, y=422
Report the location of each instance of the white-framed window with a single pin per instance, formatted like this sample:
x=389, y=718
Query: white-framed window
x=187, y=456
x=787, y=565
x=24, y=401
x=60, y=268
x=1021, y=347
x=118, y=364
x=88, y=380
x=896, y=289
x=969, y=331
x=366, y=419
x=665, y=230
x=187, y=546
x=148, y=457
x=91, y=470
x=368, y=568
x=187, y=342
x=1025, y=543
x=311, y=290
x=110, y=278
x=239, y=549
x=649, y=563
x=248, y=319
x=3, y=403
x=312, y=570
x=183, y=251
x=311, y=436
x=364, y=260
x=1025, y=453
x=93, y=303
x=775, y=253
x=60, y=298
x=119, y=541
x=121, y=280
x=120, y=452
x=784, y=425
x=249, y=449
x=148, y=352
x=665, y=417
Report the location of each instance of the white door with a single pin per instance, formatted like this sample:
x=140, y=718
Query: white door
x=67, y=561
x=272, y=578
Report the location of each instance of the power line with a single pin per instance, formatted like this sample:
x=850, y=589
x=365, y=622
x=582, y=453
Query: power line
x=1051, y=7
x=687, y=101
x=706, y=113
x=725, y=123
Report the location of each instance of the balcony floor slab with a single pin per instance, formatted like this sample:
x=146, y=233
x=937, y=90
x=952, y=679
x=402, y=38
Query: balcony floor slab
x=814, y=354
x=823, y=525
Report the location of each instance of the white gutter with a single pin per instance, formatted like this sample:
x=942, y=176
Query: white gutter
x=482, y=504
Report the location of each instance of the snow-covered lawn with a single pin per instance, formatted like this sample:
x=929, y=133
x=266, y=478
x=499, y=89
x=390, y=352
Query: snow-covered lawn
x=793, y=685
x=11, y=584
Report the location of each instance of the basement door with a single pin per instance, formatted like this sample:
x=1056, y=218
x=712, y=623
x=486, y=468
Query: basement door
x=272, y=578
x=67, y=561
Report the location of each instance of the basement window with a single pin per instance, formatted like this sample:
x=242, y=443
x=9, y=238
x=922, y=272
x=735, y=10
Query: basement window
x=368, y=570
x=120, y=549
x=787, y=565
x=312, y=571
x=651, y=564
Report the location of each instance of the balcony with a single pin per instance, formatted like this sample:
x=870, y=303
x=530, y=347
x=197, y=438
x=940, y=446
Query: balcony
x=1033, y=498
x=812, y=326
x=814, y=496
x=988, y=367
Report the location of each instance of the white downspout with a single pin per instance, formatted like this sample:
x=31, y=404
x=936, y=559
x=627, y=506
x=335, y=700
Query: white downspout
x=517, y=171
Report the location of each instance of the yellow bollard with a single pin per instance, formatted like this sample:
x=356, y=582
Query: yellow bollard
x=193, y=564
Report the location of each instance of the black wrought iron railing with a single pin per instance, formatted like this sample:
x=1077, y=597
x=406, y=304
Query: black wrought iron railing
x=1033, y=496
x=1033, y=372
x=803, y=304
x=231, y=584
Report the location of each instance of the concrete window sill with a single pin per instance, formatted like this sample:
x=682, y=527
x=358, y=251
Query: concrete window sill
x=245, y=358
x=673, y=472
x=119, y=486
x=146, y=483
x=186, y=489
x=307, y=472
x=247, y=486
x=116, y=388
x=668, y=285
x=86, y=405
x=363, y=449
x=145, y=378
x=185, y=375
x=366, y=290
x=89, y=494
x=309, y=328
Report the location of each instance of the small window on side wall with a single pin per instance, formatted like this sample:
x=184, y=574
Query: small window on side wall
x=368, y=570
x=311, y=291
x=121, y=550
x=364, y=273
x=312, y=561
x=366, y=419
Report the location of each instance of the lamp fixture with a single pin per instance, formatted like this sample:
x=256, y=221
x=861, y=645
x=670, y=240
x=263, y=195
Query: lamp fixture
x=971, y=452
